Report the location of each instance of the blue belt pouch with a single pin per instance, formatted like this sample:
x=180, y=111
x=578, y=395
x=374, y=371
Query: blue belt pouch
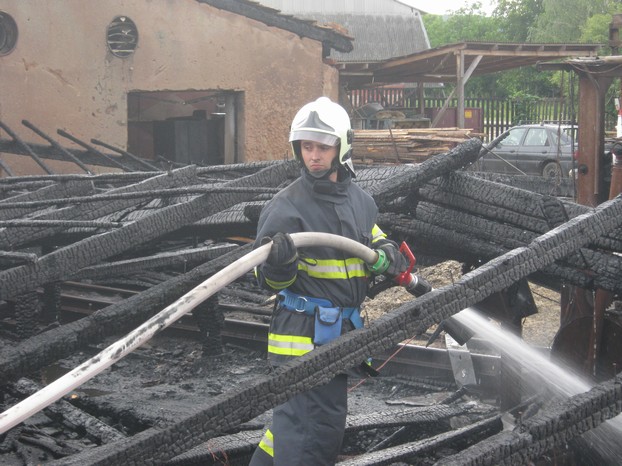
x=327, y=324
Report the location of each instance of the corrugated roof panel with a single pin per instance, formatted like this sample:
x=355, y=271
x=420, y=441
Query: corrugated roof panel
x=381, y=29
x=378, y=37
x=361, y=7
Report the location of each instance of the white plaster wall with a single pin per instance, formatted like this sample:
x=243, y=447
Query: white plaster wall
x=61, y=74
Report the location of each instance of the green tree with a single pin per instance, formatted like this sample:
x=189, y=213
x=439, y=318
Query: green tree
x=566, y=20
x=509, y=23
x=596, y=29
x=554, y=21
x=517, y=18
x=465, y=25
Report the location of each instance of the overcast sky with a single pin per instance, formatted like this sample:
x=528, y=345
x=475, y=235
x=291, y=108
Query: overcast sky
x=439, y=7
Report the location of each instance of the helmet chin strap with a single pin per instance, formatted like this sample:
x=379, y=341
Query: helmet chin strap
x=324, y=174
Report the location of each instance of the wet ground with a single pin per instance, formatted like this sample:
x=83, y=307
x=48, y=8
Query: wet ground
x=165, y=380
x=172, y=377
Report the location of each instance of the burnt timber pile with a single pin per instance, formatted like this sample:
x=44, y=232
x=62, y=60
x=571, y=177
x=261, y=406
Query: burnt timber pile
x=125, y=227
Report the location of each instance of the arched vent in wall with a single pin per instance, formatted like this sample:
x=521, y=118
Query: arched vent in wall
x=8, y=33
x=122, y=36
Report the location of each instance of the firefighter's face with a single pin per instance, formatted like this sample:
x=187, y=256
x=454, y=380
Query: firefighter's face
x=317, y=157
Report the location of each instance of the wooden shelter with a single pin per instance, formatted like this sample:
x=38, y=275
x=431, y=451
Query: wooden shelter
x=456, y=63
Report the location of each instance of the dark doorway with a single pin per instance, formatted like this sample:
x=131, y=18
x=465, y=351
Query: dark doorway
x=183, y=127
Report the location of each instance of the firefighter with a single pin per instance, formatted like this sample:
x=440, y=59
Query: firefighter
x=320, y=289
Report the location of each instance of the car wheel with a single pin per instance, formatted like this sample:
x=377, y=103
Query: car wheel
x=551, y=170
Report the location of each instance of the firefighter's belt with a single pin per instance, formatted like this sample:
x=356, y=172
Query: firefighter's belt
x=307, y=304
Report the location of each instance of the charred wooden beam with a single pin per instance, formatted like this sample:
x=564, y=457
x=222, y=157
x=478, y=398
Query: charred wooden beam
x=420, y=416
x=185, y=259
x=237, y=170
x=64, y=189
x=104, y=178
x=112, y=159
x=142, y=162
x=318, y=366
x=211, y=321
x=95, y=208
x=23, y=187
x=26, y=311
x=8, y=256
x=44, y=441
x=97, y=224
x=45, y=348
x=26, y=148
x=552, y=428
x=473, y=239
x=501, y=203
x=139, y=195
x=51, y=303
x=69, y=156
x=402, y=186
x=560, y=187
x=504, y=204
x=234, y=219
x=64, y=412
x=62, y=263
x=458, y=438
x=4, y=167
x=236, y=447
x=52, y=153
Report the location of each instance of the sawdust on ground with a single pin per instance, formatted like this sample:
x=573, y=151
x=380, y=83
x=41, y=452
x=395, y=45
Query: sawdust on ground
x=538, y=329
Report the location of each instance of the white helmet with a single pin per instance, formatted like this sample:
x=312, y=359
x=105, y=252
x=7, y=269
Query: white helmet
x=326, y=122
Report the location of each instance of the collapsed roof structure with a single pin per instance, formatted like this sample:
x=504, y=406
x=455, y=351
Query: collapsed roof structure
x=114, y=228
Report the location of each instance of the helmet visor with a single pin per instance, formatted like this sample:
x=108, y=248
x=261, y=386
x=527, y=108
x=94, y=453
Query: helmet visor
x=306, y=135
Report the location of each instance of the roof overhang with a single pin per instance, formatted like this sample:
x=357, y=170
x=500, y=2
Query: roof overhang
x=609, y=66
x=444, y=64
x=330, y=37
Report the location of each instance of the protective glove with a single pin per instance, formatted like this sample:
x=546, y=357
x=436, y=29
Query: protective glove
x=283, y=251
x=397, y=262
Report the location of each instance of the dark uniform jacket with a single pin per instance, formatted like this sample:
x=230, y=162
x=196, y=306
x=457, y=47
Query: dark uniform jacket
x=310, y=205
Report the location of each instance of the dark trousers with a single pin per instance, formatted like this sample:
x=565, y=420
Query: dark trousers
x=309, y=428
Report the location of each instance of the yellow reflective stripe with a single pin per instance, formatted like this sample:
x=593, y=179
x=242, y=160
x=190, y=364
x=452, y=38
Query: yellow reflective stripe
x=267, y=443
x=377, y=233
x=334, y=269
x=289, y=345
x=280, y=285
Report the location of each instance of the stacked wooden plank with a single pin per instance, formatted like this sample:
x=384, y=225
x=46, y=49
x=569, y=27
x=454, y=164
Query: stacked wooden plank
x=412, y=145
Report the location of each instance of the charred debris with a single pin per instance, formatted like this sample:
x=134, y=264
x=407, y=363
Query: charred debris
x=158, y=230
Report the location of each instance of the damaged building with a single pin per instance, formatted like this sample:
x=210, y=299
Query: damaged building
x=203, y=82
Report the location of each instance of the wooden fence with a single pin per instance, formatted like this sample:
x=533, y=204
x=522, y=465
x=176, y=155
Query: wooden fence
x=495, y=115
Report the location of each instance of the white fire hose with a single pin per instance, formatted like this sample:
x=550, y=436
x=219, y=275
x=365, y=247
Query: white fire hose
x=89, y=369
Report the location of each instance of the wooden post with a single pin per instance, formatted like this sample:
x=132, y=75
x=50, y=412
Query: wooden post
x=460, y=88
x=591, y=189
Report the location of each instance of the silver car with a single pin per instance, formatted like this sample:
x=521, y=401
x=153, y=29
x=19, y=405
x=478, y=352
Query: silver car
x=542, y=149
